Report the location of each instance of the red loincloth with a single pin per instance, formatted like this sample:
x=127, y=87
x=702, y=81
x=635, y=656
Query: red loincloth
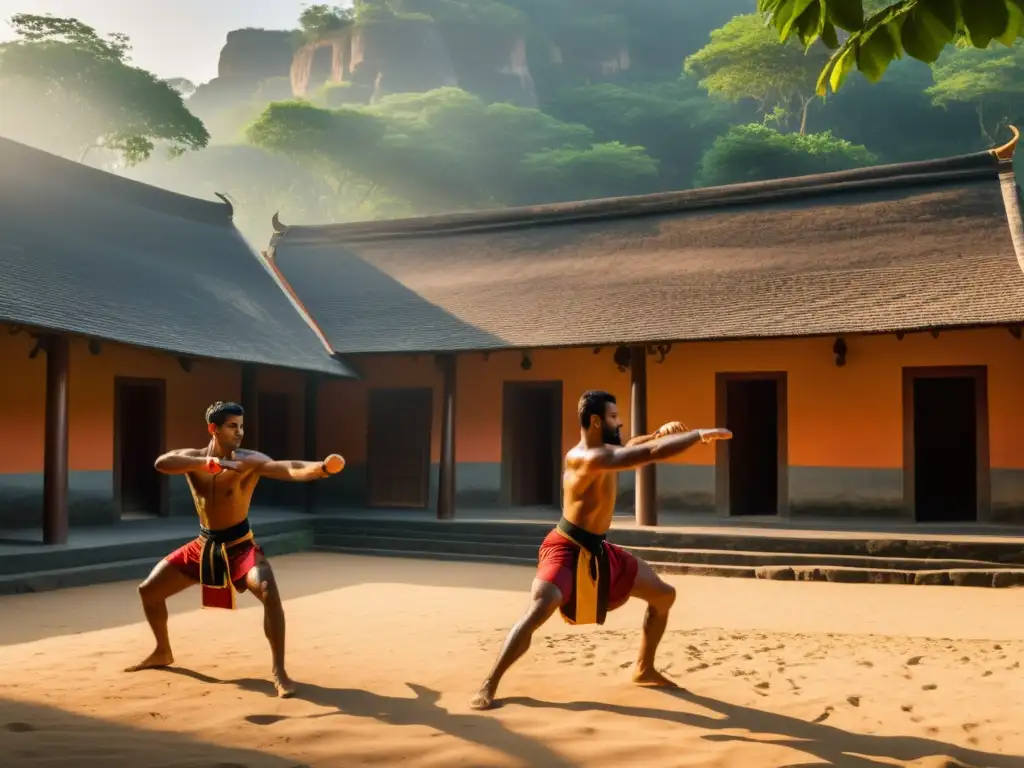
x=556, y=564
x=242, y=557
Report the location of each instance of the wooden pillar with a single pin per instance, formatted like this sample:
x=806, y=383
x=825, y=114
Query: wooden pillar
x=249, y=404
x=55, y=457
x=310, y=409
x=446, y=481
x=646, y=477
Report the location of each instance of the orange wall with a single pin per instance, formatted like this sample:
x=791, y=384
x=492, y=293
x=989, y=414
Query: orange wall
x=838, y=417
x=91, y=407
x=344, y=403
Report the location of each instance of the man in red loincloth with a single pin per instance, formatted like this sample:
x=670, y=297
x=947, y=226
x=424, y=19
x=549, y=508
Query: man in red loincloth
x=225, y=558
x=579, y=572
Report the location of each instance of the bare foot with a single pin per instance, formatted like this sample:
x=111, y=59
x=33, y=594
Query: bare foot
x=285, y=686
x=651, y=678
x=157, y=659
x=483, y=700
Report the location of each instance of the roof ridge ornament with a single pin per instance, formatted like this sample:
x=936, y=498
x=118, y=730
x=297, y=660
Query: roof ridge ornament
x=227, y=202
x=1005, y=152
x=275, y=222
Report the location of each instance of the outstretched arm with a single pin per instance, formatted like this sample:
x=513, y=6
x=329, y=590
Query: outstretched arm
x=181, y=462
x=659, y=449
x=300, y=471
x=672, y=428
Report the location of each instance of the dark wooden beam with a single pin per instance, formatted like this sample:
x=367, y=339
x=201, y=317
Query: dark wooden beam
x=310, y=409
x=248, y=395
x=646, y=477
x=55, y=457
x=446, y=481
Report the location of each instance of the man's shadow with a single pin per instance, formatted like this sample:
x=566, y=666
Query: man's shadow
x=399, y=710
x=832, y=746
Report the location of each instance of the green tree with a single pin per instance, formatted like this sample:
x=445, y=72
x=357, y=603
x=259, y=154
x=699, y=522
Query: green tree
x=745, y=60
x=756, y=152
x=447, y=149
x=878, y=31
x=63, y=84
x=674, y=121
x=321, y=20
x=990, y=80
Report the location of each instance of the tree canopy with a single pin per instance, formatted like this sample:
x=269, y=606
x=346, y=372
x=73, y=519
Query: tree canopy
x=990, y=80
x=745, y=60
x=448, y=149
x=875, y=32
x=62, y=77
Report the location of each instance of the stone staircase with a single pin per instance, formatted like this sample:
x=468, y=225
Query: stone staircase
x=38, y=568
x=768, y=554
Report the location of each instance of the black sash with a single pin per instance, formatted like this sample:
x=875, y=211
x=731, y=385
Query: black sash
x=600, y=569
x=214, y=570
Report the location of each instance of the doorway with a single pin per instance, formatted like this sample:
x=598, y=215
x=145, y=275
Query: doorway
x=751, y=470
x=139, y=438
x=532, y=444
x=398, y=447
x=273, y=438
x=273, y=423
x=946, y=444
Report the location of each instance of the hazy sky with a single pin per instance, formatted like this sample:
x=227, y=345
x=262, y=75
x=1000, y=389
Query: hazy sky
x=172, y=38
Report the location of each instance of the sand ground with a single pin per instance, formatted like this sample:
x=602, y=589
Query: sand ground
x=390, y=651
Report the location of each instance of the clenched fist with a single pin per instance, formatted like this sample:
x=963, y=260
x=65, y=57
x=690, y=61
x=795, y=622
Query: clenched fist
x=672, y=428
x=710, y=435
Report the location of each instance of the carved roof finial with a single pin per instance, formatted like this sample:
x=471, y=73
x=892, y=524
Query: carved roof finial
x=227, y=202
x=275, y=222
x=1005, y=152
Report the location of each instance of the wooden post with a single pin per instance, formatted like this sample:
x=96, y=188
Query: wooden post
x=249, y=404
x=446, y=481
x=55, y=457
x=646, y=478
x=310, y=403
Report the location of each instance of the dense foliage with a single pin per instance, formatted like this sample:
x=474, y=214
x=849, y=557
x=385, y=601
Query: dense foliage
x=634, y=97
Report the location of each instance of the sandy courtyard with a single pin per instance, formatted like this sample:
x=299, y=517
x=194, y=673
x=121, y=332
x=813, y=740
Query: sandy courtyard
x=390, y=651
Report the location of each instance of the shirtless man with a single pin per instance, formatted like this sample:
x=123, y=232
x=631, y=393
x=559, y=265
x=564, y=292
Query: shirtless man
x=225, y=558
x=566, y=577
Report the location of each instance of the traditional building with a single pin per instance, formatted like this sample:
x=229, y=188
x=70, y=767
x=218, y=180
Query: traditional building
x=125, y=310
x=859, y=331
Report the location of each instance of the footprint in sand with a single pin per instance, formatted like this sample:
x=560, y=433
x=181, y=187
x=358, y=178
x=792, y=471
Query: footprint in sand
x=907, y=707
x=763, y=686
x=824, y=715
x=19, y=727
x=698, y=667
x=929, y=687
x=914, y=661
x=264, y=719
x=853, y=700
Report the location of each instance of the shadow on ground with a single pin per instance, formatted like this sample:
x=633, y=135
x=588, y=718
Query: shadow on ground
x=831, y=746
x=32, y=735
x=420, y=709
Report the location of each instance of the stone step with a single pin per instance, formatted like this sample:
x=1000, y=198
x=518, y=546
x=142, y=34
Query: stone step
x=134, y=569
x=37, y=557
x=991, y=577
x=690, y=557
x=755, y=559
x=994, y=577
x=790, y=542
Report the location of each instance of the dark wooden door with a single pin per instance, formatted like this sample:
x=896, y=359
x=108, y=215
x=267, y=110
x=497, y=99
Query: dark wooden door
x=398, y=447
x=139, y=441
x=273, y=419
x=945, y=449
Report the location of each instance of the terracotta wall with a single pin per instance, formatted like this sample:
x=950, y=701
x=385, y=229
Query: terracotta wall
x=91, y=419
x=845, y=424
